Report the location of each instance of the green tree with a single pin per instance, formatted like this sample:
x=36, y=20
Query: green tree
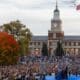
x=59, y=50
x=44, y=50
x=21, y=33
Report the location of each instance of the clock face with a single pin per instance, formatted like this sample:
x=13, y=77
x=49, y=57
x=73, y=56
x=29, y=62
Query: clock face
x=55, y=24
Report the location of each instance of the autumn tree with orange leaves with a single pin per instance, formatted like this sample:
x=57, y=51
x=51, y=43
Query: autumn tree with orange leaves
x=8, y=49
x=21, y=33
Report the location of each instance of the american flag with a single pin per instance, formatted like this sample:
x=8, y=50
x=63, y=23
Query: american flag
x=78, y=7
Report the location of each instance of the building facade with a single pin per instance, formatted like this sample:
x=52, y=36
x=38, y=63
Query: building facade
x=71, y=44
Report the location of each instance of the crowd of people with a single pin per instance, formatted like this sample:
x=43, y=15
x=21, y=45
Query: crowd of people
x=37, y=69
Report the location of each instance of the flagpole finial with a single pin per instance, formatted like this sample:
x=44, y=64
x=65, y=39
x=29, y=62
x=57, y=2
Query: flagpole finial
x=56, y=4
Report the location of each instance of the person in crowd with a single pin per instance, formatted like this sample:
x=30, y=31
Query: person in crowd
x=64, y=73
x=38, y=66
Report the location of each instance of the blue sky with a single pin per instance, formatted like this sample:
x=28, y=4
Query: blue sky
x=37, y=14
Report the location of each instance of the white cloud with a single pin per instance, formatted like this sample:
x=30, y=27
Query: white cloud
x=36, y=14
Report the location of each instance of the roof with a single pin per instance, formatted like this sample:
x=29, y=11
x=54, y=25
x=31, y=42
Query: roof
x=73, y=38
x=39, y=38
x=45, y=38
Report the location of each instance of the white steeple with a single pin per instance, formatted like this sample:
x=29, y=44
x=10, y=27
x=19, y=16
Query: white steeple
x=56, y=5
x=56, y=21
x=56, y=12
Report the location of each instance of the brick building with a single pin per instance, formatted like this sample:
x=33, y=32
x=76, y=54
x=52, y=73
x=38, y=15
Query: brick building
x=71, y=44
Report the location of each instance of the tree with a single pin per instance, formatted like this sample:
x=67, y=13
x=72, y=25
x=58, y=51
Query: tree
x=59, y=50
x=8, y=49
x=20, y=33
x=44, y=50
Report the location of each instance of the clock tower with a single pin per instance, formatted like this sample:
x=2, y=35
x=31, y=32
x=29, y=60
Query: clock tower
x=56, y=33
x=56, y=21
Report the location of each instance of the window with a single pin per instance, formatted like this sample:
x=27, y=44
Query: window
x=65, y=43
x=30, y=43
x=34, y=43
x=50, y=43
x=72, y=43
x=54, y=43
x=78, y=43
x=38, y=43
x=54, y=35
x=69, y=43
